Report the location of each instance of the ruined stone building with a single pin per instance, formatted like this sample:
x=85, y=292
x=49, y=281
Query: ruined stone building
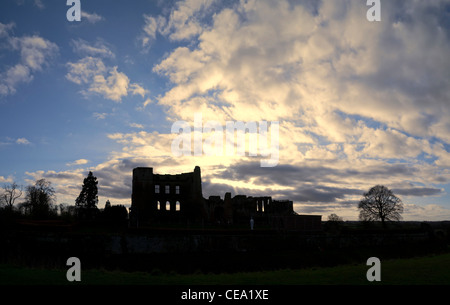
x=164, y=199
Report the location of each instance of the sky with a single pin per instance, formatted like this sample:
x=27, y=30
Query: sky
x=357, y=103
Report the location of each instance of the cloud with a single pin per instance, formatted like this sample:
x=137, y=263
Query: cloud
x=426, y=212
x=112, y=86
x=147, y=102
x=182, y=24
x=101, y=79
x=135, y=125
x=136, y=89
x=91, y=17
x=276, y=61
x=100, y=116
x=35, y=53
x=418, y=191
x=6, y=180
x=78, y=162
x=23, y=141
x=99, y=48
x=39, y=4
x=5, y=29
x=359, y=103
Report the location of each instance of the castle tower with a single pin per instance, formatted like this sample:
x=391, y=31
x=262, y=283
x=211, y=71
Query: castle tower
x=142, y=196
x=166, y=198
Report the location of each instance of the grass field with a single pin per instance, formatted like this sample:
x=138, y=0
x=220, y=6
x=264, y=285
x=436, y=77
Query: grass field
x=429, y=270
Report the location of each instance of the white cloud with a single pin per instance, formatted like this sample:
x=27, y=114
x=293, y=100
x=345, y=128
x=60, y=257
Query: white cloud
x=34, y=50
x=13, y=77
x=426, y=212
x=136, y=89
x=147, y=102
x=6, y=180
x=83, y=71
x=100, y=79
x=78, y=162
x=135, y=125
x=182, y=24
x=113, y=86
x=278, y=61
x=23, y=141
x=5, y=29
x=39, y=4
x=35, y=53
x=100, y=116
x=91, y=17
x=99, y=48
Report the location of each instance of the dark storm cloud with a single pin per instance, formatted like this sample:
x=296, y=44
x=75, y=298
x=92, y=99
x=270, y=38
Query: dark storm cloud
x=308, y=184
x=418, y=191
x=289, y=175
x=117, y=191
x=60, y=176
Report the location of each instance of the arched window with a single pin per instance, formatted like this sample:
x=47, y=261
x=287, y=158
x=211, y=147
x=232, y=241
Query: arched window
x=167, y=206
x=177, y=206
x=158, y=205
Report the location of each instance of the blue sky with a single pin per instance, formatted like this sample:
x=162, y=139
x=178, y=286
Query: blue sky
x=358, y=103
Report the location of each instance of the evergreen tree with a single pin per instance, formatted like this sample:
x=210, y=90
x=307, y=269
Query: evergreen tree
x=88, y=196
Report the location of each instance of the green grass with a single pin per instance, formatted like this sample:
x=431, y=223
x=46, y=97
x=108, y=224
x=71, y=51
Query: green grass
x=429, y=270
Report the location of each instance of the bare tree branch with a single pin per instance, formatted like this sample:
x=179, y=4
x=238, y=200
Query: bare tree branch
x=11, y=192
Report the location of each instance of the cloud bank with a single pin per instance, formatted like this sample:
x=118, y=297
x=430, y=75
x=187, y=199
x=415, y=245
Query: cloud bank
x=359, y=103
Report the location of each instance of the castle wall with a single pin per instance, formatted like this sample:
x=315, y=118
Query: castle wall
x=159, y=198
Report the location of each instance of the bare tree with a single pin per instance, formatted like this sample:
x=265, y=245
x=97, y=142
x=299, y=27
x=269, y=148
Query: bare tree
x=11, y=192
x=40, y=198
x=380, y=203
x=334, y=224
x=334, y=217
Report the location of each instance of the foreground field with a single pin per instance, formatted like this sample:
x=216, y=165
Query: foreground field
x=429, y=270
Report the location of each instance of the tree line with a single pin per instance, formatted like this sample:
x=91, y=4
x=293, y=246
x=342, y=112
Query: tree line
x=39, y=203
x=378, y=204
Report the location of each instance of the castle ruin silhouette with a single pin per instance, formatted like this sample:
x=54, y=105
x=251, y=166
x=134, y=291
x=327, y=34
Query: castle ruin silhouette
x=167, y=199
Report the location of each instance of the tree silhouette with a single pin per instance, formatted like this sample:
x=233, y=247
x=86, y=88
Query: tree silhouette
x=88, y=196
x=116, y=214
x=380, y=203
x=39, y=199
x=86, y=202
x=11, y=192
x=335, y=218
x=334, y=223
